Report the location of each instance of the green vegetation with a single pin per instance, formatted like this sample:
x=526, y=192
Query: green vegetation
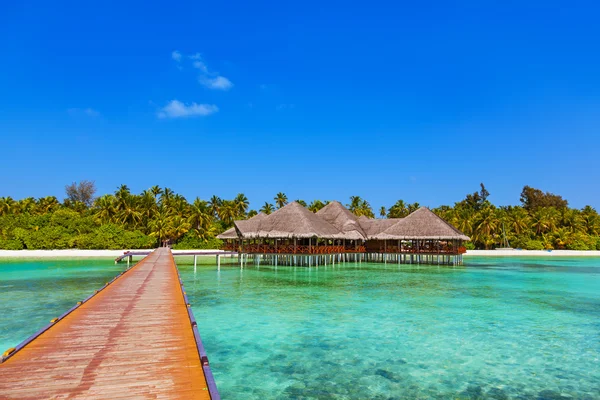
x=158, y=216
x=543, y=221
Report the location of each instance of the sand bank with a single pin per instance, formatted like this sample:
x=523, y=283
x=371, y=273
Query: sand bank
x=536, y=253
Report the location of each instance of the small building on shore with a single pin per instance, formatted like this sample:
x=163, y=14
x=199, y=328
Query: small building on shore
x=293, y=235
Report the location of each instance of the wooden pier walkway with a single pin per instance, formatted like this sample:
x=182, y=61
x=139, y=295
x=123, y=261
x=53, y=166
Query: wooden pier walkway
x=134, y=339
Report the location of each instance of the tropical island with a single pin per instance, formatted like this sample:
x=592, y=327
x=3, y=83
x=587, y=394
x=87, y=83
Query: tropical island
x=542, y=221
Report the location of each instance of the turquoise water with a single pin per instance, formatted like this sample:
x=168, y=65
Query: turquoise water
x=495, y=329
x=35, y=291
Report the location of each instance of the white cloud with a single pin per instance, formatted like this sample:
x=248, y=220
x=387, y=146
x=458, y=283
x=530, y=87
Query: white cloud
x=218, y=83
x=208, y=78
x=177, y=109
x=175, y=55
x=90, y=112
x=201, y=66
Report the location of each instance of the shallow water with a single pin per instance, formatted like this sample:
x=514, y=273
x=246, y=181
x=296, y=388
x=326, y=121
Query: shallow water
x=33, y=292
x=496, y=329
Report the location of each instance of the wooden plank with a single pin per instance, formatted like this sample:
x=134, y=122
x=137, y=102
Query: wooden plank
x=133, y=339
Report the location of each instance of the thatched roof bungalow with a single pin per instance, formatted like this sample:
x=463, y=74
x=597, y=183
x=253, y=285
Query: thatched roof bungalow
x=290, y=221
x=342, y=219
x=248, y=228
x=422, y=224
x=230, y=233
x=373, y=227
x=335, y=221
x=334, y=234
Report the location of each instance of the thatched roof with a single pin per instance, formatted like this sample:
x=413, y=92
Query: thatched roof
x=422, y=224
x=373, y=227
x=293, y=220
x=230, y=233
x=245, y=228
x=335, y=221
x=341, y=218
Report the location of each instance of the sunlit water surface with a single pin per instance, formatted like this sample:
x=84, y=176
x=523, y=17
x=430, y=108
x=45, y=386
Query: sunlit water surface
x=498, y=328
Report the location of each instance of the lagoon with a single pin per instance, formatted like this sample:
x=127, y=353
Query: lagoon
x=522, y=328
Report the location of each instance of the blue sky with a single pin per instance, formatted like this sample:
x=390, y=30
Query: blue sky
x=388, y=101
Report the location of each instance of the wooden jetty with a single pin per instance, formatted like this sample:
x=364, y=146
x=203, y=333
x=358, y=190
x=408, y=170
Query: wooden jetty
x=134, y=338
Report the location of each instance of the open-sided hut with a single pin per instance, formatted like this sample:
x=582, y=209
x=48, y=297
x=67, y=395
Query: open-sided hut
x=422, y=232
x=290, y=230
x=333, y=232
x=233, y=236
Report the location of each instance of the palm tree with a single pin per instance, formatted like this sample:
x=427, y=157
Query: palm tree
x=267, y=208
x=591, y=221
x=544, y=219
x=301, y=202
x=105, y=209
x=241, y=202
x=215, y=203
x=487, y=226
x=280, y=199
x=122, y=192
x=227, y=212
x=572, y=220
x=562, y=236
x=179, y=227
x=7, y=205
x=518, y=220
x=178, y=205
x=316, y=205
x=166, y=197
x=360, y=207
x=147, y=206
x=26, y=205
x=160, y=228
x=127, y=212
x=47, y=204
x=413, y=207
x=382, y=212
x=398, y=210
x=200, y=214
x=355, y=202
x=156, y=191
x=365, y=209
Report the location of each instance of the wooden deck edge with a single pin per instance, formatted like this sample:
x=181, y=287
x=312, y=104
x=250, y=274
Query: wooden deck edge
x=208, y=376
x=11, y=352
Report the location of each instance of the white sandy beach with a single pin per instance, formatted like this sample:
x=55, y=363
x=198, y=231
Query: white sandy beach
x=74, y=253
x=535, y=253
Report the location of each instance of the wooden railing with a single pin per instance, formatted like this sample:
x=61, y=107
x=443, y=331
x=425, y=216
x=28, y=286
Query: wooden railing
x=298, y=249
x=290, y=249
